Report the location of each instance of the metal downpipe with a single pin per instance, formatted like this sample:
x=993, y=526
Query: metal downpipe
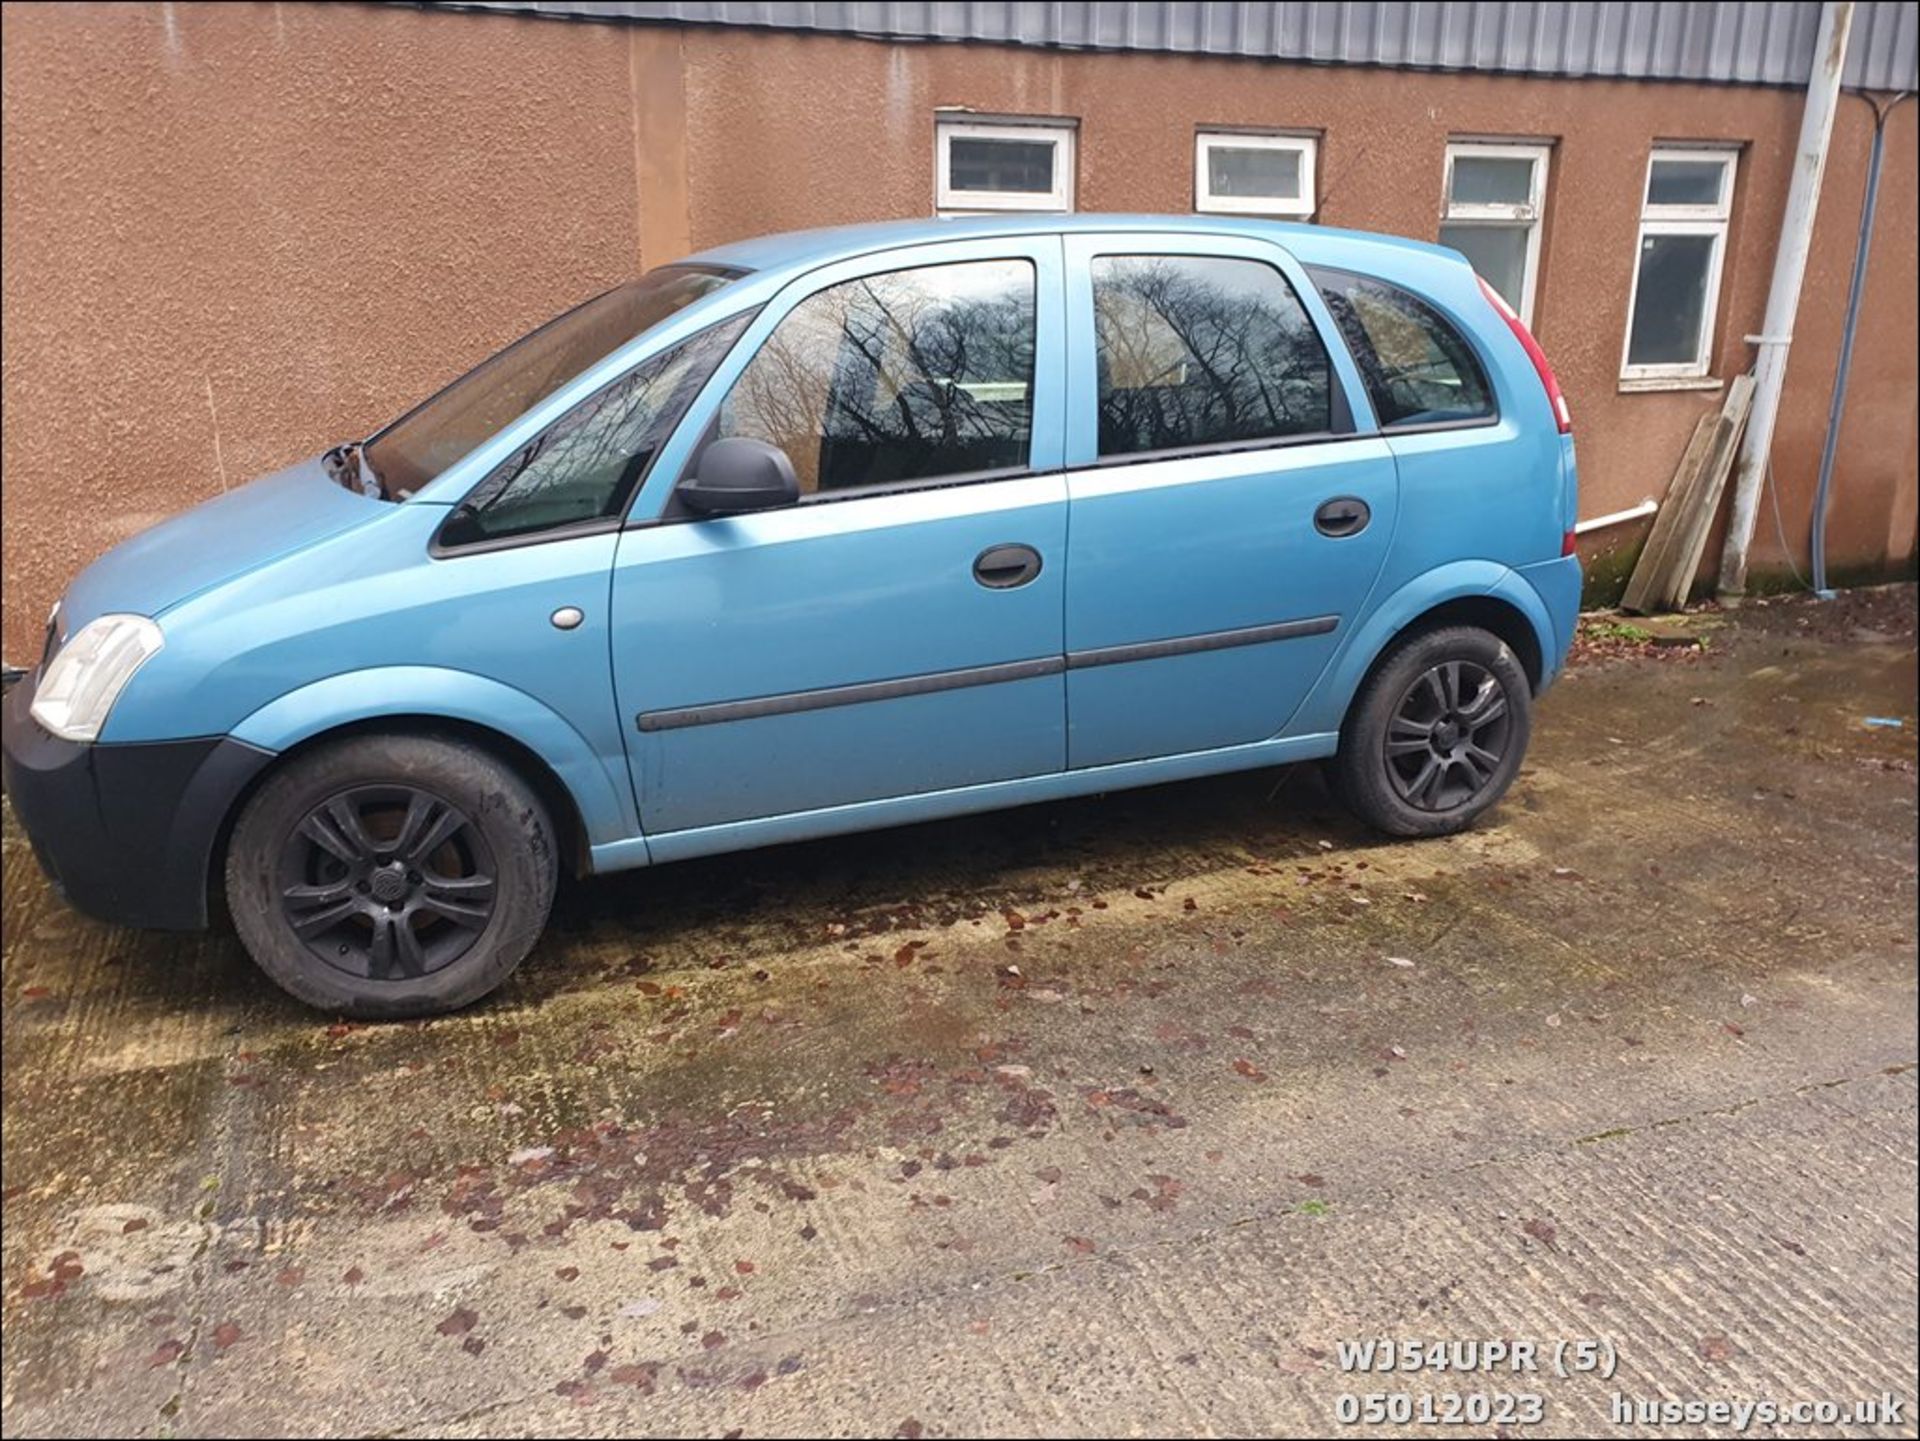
x=1856, y=292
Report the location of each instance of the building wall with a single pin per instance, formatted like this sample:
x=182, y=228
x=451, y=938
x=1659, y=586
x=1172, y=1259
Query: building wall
x=237, y=234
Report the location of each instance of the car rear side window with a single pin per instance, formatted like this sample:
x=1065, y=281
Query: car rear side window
x=1197, y=351
x=912, y=375
x=586, y=466
x=1418, y=369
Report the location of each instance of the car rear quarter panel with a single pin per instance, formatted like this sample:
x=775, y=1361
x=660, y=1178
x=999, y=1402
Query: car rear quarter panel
x=1481, y=507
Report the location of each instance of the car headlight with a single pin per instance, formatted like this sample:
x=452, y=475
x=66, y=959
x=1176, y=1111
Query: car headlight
x=87, y=674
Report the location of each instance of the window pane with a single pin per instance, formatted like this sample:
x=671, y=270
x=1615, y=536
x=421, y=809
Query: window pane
x=1417, y=368
x=1254, y=172
x=588, y=464
x=425, y=441
x=1672, y=299
x=1491, y=180
x=1498, y=254
x=903, y=376
x=1685, y=182
x=1197, y=351
x=978, y=163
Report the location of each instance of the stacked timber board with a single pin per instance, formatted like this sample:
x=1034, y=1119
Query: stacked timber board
x=1671, y=556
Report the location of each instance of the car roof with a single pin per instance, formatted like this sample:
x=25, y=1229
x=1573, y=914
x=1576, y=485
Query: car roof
x=797, y=250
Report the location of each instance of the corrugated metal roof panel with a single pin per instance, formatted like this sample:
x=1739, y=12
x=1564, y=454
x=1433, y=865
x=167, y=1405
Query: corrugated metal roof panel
x=1706, y=40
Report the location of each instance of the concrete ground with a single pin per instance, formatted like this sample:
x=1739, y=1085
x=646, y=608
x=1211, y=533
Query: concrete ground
x=1109, y=1117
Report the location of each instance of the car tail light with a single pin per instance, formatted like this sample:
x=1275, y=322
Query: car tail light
x=1569, y=544
x=1535, y=354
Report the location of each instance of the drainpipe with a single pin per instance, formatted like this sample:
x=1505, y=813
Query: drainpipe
x=1855, y=291
x=1783, y=298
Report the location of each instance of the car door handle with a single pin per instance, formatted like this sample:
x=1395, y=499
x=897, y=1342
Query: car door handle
x=1342, y=516
x=1002, y=567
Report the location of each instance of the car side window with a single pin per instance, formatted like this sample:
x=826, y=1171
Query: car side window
x=588, y=463
x=913, y=375
x=1418, y=369
x=1203, y=350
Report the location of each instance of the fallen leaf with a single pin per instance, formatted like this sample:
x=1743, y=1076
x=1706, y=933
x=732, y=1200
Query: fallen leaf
x=458, y=1323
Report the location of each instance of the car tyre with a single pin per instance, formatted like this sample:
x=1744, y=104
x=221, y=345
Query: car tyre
x=387, y=876
x=1436, y=734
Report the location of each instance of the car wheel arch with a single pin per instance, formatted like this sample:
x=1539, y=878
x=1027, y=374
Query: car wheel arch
x=1492, y=613
x=541, y=744
x=1465, y=592
x=517, y=756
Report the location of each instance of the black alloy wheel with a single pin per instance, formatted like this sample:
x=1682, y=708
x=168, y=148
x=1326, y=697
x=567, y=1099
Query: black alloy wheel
x=1448, y=736
x=387, y=882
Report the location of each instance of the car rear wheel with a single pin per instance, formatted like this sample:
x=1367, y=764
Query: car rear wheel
x=390, y=876
x=1437, y=734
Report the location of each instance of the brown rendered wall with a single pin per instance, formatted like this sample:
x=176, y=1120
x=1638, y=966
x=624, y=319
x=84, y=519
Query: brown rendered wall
x=236, y=234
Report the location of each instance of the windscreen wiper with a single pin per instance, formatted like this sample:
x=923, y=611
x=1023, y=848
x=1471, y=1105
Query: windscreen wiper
x=348, y=470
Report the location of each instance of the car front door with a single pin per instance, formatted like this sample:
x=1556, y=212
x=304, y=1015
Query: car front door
x=897, y=631
x=1227, y=522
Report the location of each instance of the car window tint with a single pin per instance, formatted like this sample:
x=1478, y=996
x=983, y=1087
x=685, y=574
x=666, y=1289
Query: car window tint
x=587, y=464
x=1201, y=350
x=911, y=375
x=439, y=431
x=1417, y=368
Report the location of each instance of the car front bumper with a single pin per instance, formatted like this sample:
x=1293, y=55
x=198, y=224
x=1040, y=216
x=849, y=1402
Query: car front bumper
x=125, y=832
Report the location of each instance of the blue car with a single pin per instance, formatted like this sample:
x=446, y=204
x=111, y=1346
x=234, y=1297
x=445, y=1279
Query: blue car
x=810, y=534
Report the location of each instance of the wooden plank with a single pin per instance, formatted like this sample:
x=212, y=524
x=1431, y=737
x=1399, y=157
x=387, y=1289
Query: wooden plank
x=1657, y=552
x=1699, y=519
x=1664, y=579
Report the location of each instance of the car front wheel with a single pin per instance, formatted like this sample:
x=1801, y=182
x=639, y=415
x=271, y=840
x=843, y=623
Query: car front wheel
x=1437, y=734
x=390, y=876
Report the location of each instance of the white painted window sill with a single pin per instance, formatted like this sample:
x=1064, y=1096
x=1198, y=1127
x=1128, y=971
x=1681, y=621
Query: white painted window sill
x=1641, y=384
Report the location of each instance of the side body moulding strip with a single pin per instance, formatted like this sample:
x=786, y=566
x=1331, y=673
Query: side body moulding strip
x=1191, y=644
x=792, y=702
x=804, y=700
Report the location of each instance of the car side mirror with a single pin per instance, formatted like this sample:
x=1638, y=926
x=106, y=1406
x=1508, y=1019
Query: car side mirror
x=736, y=475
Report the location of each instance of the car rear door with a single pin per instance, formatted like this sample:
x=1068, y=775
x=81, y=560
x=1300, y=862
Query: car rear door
x=1226, y=521
x=898, y=631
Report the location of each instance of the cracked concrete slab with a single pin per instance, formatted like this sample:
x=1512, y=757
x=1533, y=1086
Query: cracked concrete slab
x=1110, y=1117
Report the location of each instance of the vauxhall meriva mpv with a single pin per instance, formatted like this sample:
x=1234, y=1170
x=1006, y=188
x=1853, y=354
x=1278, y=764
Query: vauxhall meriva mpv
x=810, y=534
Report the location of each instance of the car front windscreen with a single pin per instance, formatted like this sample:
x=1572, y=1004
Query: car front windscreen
x=440, y=431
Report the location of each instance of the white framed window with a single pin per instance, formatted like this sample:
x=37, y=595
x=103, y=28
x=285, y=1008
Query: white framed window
x=1002, y=165
x=1496, y=194
x=1243, y=174
x=1677, y=261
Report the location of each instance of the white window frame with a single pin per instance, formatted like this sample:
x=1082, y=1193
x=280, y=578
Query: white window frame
x=1207, y=203
x=1531, y=213
x=1707, y=220
x=948, y=201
